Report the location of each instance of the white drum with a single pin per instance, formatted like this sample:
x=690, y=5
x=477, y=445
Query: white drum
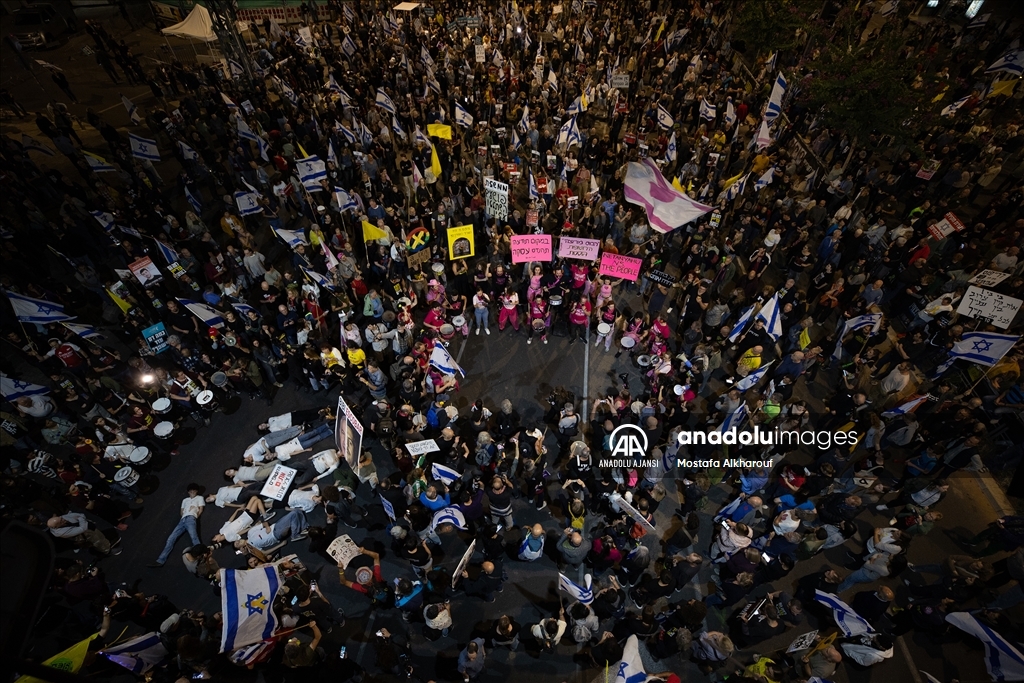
x=204, y=398
x=164, y=430
x=126, y=476
x=628, y=342
x=437, y=268
x=162, y=406
x=555, y=300
x=447, y=331
x=458, y=321
x=219, y=379
x=603, y=328
x=643, y=361
x=140, y=455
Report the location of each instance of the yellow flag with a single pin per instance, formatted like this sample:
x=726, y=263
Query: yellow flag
x=372, y=232
x=1004, y=87
x=69, y=661
x=660, y=29
x=805, y=338
x=730, y=181
x=938, y=98
x=678, y=185
x=584, y=102
x=302, y=151
x=440, y=130
x=121, y=303
x=435, y=163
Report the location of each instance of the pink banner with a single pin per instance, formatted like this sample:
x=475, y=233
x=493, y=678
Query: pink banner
x=625, y=267
x=578, y=248
x=531, y=248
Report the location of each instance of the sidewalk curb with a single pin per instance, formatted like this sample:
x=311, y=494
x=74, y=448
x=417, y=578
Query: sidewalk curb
x=995, y=495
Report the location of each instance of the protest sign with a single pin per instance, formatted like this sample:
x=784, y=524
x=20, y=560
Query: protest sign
x=145, y=272
x=343, y=549
x=420, y=447
x=984, y=304
x=277, y=484
x=460, y=242
x=156, y=338
x=457, y=574
x=526, y=248
x=578, y=248
x=496, y=197
x=988, y=278
x=618, y=266
x=348, y=434
x=946, y=226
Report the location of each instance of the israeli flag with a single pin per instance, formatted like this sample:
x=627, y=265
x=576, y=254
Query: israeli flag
x=733, y=419
x=769, y=64
x=524, y=120
x=311, y=171
x=569, y=134
x=753, y=378
x=143, y=148
x=1012, y=62
x=248, y=203
x=583, y=594
x=13, y=389
x=1002, y=659
x=670, y=151
x=364, y=134
x=104, y=219
x=262, y=145
x=348, y=47
x=579, y=53
x=318, y=279
x=83, y=331
x=983, y=348
x=872, y=320
x=665, y=119
x=433, y=84
x=553, y=80
x=291, y=237
x=29, y=310
x=193, y=201
x=331, y=156
x=133, y=111
x=138, y=655
x=332, y=84
x=228, y=102
x=444, y=474
x=588, y=35
x=516, y=142
x=451, y=515
x=345, y=201
x=187, y=152
x=97, y=163
x=576, y=107
x=425, y=56
x=168, y=253
x=498, y=60
x=346, y=99
x=385, y=103
x=443, y=361
x=418, y=136
x=707, y=111
x=398, y=129
x=244, y=131
x=631, y=668
x=209, y=316
x=350, y=14
x=347, y=134
x=29, y=142
x=244, y=309
x=726, y=512
x=979, y=21
x=246, y=600
x=904, y=408
x=287, y=92
x=534, y=194
x=734, y=190
x=771, y=314
x=236, y=69
x=775, y=101
x=955, y=107
x=462, y=117
x=848, y=621
x=765, y=180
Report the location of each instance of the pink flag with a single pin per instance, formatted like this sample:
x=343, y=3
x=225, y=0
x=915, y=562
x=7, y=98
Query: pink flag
x=667, y=208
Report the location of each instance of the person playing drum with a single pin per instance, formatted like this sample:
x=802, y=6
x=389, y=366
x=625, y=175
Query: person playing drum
x=435, y=318
x=540, y=319
x=579, y=317
x=455, y=304
x=509, y=312
x=607, y=320
x=636, y=329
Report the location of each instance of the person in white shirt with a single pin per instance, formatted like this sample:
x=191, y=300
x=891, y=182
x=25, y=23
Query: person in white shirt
x=731, y=538
x=308, y=497
x=247, y=473
x=191, y=508
x=75, y=526
x=263, y=536
x=241, y=520
x=549, y=631
x=35, y=406
x=237, y=496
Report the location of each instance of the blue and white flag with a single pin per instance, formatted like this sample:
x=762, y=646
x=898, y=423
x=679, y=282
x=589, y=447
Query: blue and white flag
x=143, y=148
x=13, y=389
x=753, y=378
x=104, y=219
x=350, y=14
x=365, y=136
x=534, y=194
x=244, y=309
x=979, y=21
x=848, y=621
x=583, y=594
x=707, y=111
x=425, y=56
x=29, y=310
x=84, y=331
x=291, y=237
x=29, y=142
x=331, y=156
x=631, y=668
x=251, y=654
x=576, y=107
x=665, y=119
x=774, y=107
x=730, y=113
x=347, y=134
x=569, y=134
x=287, y=92
x=735, y=190
x=516, y=142
x=236, y=69
x=726, y=512
x=246, y=598
x=983, y=348
x=443, y=361
x=187, y=152
x=138, y=655
x=769, y=64
x=133, y=111
x=194, y=202
x=168, y=252
x=332, y=84
x=734, y=419
x=872, y=320
x=345, y=201
x=741, y=324
x=418, y=136
x=264, y=148
x=444, y=474
x=397, y=129
x=98, y=164
x=311, y=171
x=951, y=109
x=228, y=102
x=771, y=314
x=588, y=35
x=385, y=103
x=1002, y=658
x=207, y=314
x=670, y=151
x=244, y=131
x=247, y=203
x=450, y=515
x=907, y=407
x=318, y=279
x=524, y=120
x=348, y=46
x=463, y=117
x=765, y=180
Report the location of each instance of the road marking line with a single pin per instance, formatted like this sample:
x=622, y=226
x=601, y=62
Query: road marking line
x=910, y=660
x=586, y=373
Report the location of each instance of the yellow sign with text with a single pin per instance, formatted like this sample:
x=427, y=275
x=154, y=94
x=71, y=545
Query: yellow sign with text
x=460, y=242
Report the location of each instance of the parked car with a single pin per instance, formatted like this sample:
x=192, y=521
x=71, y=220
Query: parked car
x=42, y=25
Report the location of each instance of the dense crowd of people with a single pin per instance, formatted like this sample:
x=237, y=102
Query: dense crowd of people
x=346, y=285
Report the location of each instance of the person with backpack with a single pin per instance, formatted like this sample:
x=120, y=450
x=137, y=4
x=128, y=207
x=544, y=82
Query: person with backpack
x=408, y=597
x=584, y=624
x=532, y=547
x=549, y=632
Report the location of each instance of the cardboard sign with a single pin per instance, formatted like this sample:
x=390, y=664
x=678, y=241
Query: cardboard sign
x=532, y=218
x=661, y=277
x=542, y=185
x=145, y=272
x=578, y=248
x=511, y=168
x=988, y=278
x=496, y=198
x=618, y=266
x=156, y=338
x=418, y=258
x=460, y=242
x=247, y=106
x=633, y=512
x=280, y=479
x=457, y=574
x=526, y=248
x=802, y=642
x=946, y=226
x=343, y=549
x=420, y=447
x=481, y=55
x=388, y=508
x=348, y=434
x=984, y=304
x=620, y=81
x=929, y=168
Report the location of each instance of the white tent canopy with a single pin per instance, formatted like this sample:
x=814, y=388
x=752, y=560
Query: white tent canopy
x=196, y=25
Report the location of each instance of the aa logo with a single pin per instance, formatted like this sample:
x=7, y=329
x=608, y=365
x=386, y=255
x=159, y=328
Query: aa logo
x=628, y=441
